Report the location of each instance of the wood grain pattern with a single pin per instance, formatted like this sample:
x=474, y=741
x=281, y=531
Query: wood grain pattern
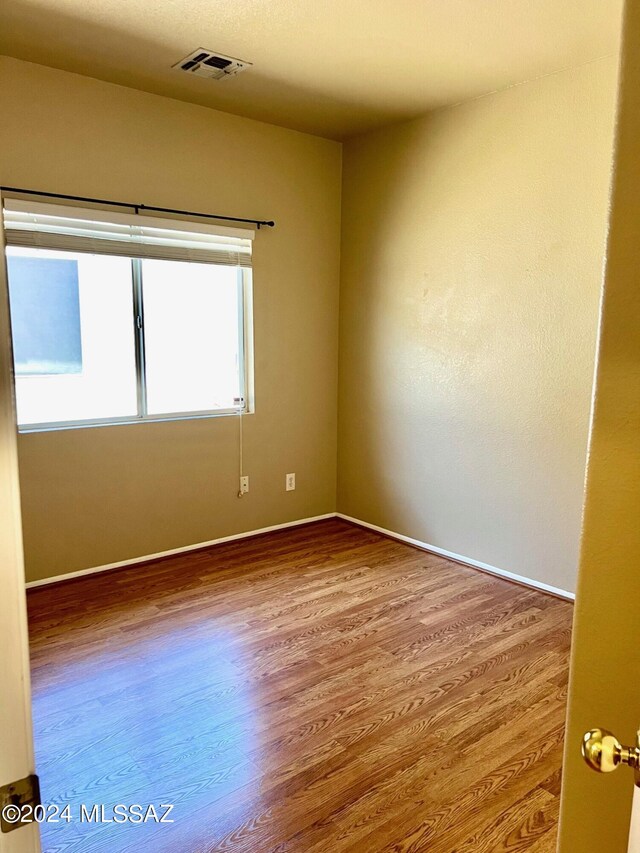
x=318, y=689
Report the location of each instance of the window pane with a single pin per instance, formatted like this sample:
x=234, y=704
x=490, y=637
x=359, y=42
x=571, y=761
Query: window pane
x=73, y=336
x=45, y=315
x=191, y=323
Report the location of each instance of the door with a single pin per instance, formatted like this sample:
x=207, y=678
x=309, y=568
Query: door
x=605, y=671
x=16, y=740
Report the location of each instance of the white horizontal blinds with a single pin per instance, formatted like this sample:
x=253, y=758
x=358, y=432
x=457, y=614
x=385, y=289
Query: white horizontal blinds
x=75, y=229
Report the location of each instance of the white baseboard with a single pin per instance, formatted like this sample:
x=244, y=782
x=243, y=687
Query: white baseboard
x=467, y=561
x=148, y=557
x=441, y=552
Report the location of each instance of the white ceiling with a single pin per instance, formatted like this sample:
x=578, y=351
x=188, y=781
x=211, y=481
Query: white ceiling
x=330, y=67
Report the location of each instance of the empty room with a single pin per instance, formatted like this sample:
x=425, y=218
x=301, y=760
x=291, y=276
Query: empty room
x=319, y=426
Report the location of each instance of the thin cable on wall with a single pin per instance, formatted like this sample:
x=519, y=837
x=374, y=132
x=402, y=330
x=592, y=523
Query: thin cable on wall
x=240, y=402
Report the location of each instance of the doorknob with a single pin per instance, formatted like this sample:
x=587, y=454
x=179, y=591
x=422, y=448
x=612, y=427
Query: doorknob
x=603, y=752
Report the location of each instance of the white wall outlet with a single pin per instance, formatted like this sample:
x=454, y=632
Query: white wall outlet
x=290, y=482
x=244, y=485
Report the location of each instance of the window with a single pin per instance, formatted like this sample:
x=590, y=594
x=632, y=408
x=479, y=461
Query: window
x=157, y=325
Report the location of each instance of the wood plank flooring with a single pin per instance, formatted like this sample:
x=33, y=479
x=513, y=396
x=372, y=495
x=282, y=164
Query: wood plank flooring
x=322, y=689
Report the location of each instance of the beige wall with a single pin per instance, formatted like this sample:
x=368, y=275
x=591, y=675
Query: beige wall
x=605, y=666
x=96, y=496
x=472, y=249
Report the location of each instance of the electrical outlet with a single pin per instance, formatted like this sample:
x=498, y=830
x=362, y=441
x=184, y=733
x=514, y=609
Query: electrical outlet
x=290, y=482
x=244, y=485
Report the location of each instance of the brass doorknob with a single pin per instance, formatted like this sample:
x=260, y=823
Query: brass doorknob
x=603, y=751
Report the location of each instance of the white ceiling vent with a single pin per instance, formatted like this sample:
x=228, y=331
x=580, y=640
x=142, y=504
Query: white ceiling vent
x=207, y=63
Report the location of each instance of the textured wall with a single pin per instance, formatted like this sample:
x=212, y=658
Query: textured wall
x=472, y=249
x=95, y=496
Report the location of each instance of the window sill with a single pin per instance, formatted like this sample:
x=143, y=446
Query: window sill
x=28, y=429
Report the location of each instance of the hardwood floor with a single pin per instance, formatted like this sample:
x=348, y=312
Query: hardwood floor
x=318, y=690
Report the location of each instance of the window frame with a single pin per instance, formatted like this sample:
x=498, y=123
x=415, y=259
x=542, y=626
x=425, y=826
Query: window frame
x=245, y=367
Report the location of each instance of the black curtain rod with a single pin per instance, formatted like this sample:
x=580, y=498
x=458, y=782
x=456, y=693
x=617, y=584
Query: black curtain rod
x=138, y=207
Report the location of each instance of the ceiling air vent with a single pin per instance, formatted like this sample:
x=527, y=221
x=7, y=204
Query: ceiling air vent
x=215, y=66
